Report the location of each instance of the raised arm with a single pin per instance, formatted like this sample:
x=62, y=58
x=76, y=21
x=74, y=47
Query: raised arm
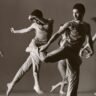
x=25, y=30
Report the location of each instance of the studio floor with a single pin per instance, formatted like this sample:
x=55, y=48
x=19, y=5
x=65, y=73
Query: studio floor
x=45, y=94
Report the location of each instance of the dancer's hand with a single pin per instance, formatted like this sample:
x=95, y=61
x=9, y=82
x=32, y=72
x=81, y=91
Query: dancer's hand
x=89, y=54
x=1, y=54
x=12, y=30
x=44, y=47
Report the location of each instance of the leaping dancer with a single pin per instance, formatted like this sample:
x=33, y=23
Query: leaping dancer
x=43, y=30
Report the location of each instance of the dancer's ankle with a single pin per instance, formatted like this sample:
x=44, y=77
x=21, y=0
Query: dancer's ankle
x=38, y=90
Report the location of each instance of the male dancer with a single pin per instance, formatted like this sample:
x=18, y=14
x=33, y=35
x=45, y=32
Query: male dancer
x=62, y=66
x=77, y=32
x=43, y=29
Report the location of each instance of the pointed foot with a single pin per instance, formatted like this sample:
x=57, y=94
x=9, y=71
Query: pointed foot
x=38, y=90
x=9, y=88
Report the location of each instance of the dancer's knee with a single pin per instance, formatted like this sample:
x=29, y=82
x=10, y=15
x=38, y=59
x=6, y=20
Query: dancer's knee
x=23, y=69
x=35, y=69
x=35, y=73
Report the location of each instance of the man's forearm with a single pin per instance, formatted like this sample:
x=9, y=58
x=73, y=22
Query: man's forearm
x=94, y=38
x=53, y=38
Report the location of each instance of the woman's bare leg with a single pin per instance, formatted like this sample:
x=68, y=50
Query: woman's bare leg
x=36, y=72
x=62, y=71
x=20, y=73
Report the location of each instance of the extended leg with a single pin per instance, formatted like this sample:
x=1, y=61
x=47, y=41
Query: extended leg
x=23, y=69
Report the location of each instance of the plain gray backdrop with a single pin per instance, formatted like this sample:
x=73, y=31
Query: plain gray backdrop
x=14, y=13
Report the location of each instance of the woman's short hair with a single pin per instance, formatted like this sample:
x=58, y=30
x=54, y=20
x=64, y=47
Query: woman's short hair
x=37, y=13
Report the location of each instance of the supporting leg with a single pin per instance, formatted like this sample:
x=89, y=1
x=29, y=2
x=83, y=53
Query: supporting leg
x=62, y=71
x=73, y=79
x=36, y=71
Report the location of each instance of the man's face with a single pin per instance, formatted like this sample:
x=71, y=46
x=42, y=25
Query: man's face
x=77, y=15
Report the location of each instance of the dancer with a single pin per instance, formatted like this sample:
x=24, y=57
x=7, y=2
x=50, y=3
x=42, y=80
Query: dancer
x=43, y=29
x=77, y=32
x=62, y=67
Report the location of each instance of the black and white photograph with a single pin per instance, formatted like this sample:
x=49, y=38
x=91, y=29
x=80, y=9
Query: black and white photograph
x=47, y=47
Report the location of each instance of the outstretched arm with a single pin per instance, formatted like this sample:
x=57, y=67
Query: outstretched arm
x=24, y=30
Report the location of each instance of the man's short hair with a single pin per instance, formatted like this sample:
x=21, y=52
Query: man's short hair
x=37, y=13
x=80, y=7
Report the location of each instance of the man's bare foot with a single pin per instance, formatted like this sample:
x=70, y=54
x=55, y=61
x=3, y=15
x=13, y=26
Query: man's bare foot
x=38, y=90
x=9, y=88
